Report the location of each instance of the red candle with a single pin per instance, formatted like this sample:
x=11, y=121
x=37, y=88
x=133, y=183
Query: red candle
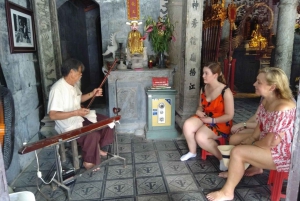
x=150, y=64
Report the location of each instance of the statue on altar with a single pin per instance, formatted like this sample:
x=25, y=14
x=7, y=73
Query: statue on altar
x=136, y=52
x=257, y=39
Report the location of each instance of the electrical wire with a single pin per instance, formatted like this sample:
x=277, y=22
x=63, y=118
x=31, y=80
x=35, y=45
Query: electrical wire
x=39, y=173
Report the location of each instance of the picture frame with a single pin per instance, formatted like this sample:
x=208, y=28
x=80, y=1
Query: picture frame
x=21, y=29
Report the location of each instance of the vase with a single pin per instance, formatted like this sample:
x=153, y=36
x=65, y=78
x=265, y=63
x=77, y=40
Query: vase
x=161, y=60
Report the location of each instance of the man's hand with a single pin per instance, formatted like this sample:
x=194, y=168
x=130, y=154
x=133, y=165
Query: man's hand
x=98, y=92
x=82, y=112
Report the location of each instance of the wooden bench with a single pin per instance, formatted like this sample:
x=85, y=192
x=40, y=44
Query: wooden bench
x=48, y=131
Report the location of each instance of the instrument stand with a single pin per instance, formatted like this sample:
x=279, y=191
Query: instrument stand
x=115, y=148
x=59, y=177
x=59, y=181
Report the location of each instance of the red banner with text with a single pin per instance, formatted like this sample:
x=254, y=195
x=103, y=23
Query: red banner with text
x=133, y=9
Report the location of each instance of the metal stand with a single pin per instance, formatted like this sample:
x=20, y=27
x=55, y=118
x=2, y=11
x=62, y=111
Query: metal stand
x=59, y=181
x=115, y=153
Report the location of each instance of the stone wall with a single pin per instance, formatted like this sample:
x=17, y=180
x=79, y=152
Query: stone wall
x=21, y=72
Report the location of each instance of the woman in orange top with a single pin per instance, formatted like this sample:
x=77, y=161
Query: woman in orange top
x=213, y=118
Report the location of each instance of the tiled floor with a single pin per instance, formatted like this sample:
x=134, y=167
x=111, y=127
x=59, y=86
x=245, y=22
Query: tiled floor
x=153, y=172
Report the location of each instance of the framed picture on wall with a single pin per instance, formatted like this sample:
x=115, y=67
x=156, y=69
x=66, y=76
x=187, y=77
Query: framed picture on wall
x=21, y=31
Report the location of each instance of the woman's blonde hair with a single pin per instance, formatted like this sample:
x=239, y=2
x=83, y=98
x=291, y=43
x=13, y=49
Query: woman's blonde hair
x=278, y=77
x=216, y=68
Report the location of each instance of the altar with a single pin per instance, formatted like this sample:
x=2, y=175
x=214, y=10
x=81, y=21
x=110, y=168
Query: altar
x=126, y=90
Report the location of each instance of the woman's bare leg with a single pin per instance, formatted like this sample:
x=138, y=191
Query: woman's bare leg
x=237, y=138
x=256, y=156
x=206, y=139
x=190, y=128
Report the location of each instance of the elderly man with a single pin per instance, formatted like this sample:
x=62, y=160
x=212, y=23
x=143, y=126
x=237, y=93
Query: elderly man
x=64, y=107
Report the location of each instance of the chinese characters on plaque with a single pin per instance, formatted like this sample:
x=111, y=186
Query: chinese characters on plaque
x=133, y=9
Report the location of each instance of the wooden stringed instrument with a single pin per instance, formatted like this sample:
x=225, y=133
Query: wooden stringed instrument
x=103, y=81
x=67, y=136
x=2, y=125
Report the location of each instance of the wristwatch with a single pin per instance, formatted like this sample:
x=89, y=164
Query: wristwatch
x=245, y=125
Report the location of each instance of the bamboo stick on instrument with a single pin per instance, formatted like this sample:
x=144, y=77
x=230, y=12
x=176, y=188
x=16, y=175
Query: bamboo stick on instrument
x=103, y=81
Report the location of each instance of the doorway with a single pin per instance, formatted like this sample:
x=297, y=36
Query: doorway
x=80, y=38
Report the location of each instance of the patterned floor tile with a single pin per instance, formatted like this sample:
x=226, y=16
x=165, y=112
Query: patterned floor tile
x=180, y=183
x=188, y=196
x=28, y=179
x=248, y=181
x=48, y=193
x=260, y=193
x=174, y=167
x=86, y=190
x=142, y=147
x=152, y=185
x=182, y=144
x=118, y=161
x=161, y=197
x=119, y=172
x=210, y=181
x=117, y=188
x=201, y=166
x=90, y=176
x=147, y=169
x=124, y=148
x=124, y=139
x=139, y=139
x=145, y=157
x=165, y=145
x=169, y=155
x=120, y=199
x=263, y=178
x=44, y=164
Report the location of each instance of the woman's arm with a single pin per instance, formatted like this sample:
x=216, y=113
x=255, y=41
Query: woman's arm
x=251, y=123
x=254, y=137
x=271, y=140
x=199, y=111
x=229, y=108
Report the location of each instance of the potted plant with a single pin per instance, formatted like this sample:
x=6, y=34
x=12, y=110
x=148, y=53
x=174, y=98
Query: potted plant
x=160, y=34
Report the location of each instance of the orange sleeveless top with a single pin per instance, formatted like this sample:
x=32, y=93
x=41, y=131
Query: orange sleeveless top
x=216, y=109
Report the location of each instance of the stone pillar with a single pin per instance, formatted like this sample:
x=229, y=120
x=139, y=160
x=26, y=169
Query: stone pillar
x=185, y=55
x=48, y=44
x=285, y=35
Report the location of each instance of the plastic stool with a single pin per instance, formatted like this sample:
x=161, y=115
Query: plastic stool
x=205, y=153
x=271, y=176
x=277, y=178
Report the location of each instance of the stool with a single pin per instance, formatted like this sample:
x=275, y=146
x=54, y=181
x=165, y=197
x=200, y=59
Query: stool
x=276, y=179
x=222, y=141
x=271, y=176
x=48, y=131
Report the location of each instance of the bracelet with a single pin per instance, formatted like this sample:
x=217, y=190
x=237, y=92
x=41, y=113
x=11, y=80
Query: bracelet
x=245, y=125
